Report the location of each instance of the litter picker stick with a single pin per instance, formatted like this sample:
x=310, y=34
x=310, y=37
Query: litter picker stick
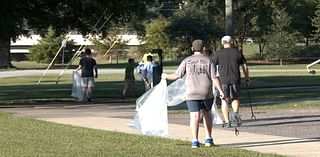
x=54, y=58
x=252, y=113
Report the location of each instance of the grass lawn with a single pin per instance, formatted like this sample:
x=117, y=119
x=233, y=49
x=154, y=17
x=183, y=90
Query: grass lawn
x=29, y=138
x=109, y=86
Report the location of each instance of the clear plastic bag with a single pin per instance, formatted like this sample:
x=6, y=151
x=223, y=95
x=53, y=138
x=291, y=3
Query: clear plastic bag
x=177, y=95
x=152, y=114
x=76, y=87
x=176, y=92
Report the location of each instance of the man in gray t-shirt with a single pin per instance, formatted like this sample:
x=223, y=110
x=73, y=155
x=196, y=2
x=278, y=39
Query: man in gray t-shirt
x=200, y=75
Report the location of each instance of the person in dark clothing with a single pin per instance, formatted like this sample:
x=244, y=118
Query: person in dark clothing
x=88, y=67
x=228, y=60
x=129, y=79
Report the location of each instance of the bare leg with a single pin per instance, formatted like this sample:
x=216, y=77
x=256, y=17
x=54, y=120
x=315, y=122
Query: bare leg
x=124, y=92
x=84, y=92
x=235, y=105
x=133, y=89
x=89, y=92
x=207, y=122
x=194, y=124
x=224, y=108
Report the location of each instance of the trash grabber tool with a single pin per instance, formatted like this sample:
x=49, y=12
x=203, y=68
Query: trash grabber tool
x=252, y=113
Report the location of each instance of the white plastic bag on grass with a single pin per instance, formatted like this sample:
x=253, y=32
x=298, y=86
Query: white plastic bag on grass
x=152, y=115
x=76, y=86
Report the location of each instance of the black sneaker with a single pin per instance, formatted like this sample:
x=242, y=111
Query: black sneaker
x=226, y=125
x=236, y=119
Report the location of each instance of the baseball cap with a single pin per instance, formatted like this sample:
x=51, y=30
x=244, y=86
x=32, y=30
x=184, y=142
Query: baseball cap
x=226, y=39
x=197, y=45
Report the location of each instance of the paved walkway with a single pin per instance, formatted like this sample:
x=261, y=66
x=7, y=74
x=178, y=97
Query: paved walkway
x=117, y=116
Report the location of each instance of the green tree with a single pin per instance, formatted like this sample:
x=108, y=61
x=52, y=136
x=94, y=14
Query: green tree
x=316, y=22
x=156, y=36
x=261, y=24
x=193, y=21
x=111, y=44
x=245, y=11
x=280, y=42
x=48, y=47
x=302, y=12
x=8, y=30
x=63, y=16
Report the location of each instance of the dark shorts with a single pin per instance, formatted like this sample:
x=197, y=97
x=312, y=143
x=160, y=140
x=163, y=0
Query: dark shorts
x=231, y=91
x=196, y=105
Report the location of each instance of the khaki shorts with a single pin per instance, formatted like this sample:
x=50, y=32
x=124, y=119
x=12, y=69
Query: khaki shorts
x=87, y=82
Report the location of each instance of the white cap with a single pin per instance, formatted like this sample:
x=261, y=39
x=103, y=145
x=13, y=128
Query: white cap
x=226, y=39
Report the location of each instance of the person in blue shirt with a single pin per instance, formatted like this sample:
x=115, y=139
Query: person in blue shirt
x=148, y=73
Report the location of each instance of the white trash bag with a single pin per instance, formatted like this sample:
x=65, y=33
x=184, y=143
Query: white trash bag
x=152, y=114
x=216, y=119
x=76, y=87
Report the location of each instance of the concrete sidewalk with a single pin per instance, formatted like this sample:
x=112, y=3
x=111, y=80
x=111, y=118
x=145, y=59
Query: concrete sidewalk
x=262, y=143
x=116, y=117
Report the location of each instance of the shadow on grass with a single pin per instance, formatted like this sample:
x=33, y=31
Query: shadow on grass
x=262, y=88
x=109, y=91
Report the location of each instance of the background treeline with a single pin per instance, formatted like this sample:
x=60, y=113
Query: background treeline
x=279, y=29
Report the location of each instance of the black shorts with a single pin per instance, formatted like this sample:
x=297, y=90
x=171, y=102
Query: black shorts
x=231, y=91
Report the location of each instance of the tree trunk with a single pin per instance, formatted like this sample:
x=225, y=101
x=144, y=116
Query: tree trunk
x=117, y=58
x=281, y=62
x=260, y=51
x=110, y=59
x=307, y=41
x=5, y=58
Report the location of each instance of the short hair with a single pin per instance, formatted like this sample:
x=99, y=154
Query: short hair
x=226, y=40
x=130, y=60
x=87, y=51
x=149, y=58
x=197, y=45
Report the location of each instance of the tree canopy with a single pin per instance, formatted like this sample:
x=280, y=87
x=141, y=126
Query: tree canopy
x=187, y=19
x=63, y=16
